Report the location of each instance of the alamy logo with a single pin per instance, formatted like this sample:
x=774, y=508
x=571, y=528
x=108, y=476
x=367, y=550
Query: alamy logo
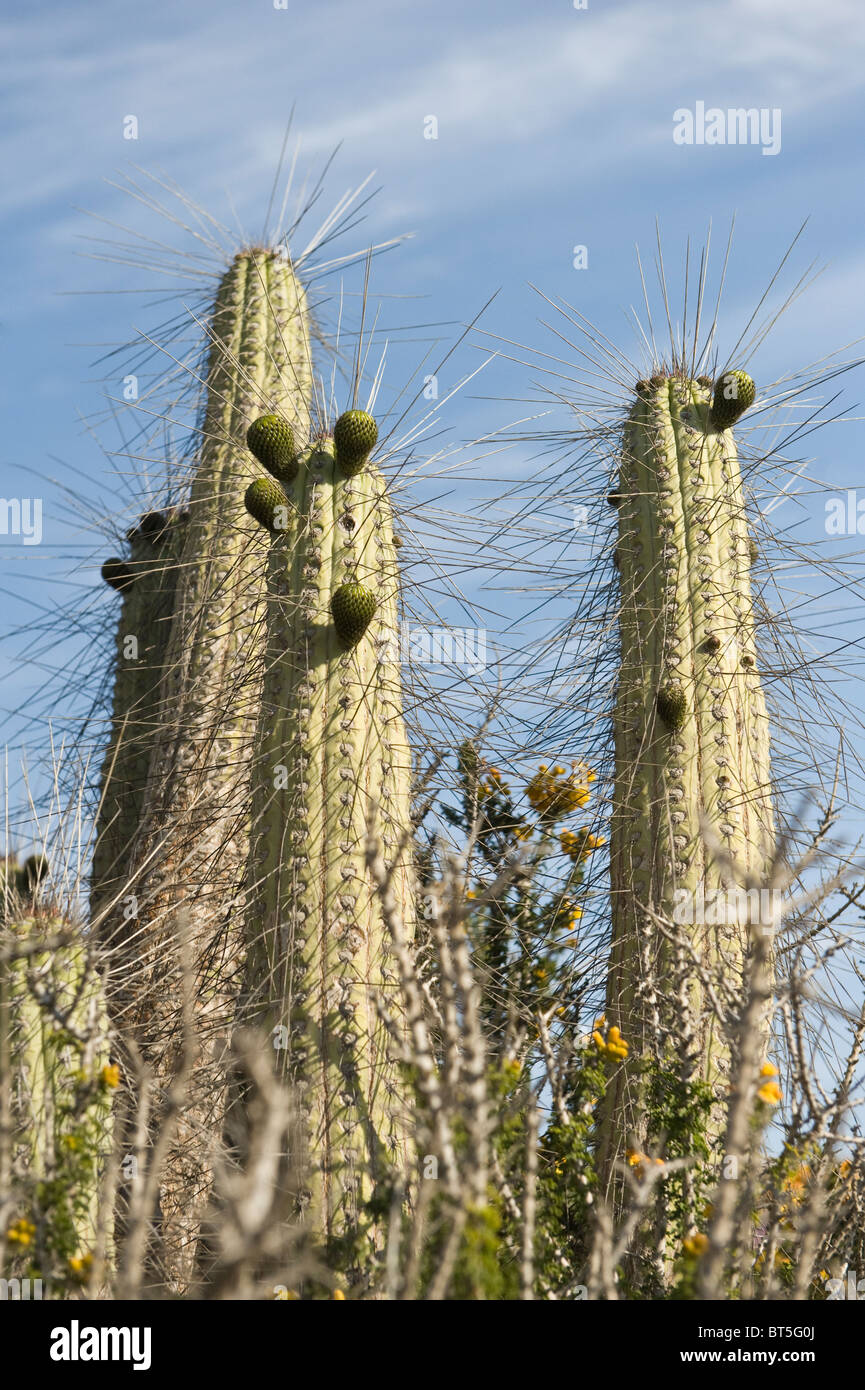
x=717, y=907
x=465, y=647
x=853, y=1290
x=736, y=126
x=20, y=1289
x=845, y=517
x=22, y=516
x=77, y=1343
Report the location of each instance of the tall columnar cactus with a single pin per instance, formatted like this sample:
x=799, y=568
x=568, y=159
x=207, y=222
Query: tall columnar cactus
x=146, y=582
x=690, y=722
x=331, y=758
x=55, y=1070
x=192, y=841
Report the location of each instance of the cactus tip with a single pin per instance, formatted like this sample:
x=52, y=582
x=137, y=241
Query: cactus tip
x=271, y=439
x=354, y=438
x=734, y=393
x=118, y=573
x=264, y=500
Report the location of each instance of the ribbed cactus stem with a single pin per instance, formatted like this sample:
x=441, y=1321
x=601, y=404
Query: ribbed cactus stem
x=192, y=845
x=146, y=582
x=331, y=758
x=691, y=733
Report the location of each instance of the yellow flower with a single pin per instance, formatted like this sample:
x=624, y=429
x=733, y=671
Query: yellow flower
x=696, y=1245
x=770, y=1094
x=21, y=1232
x=71, y=1142
x=556, y=793
x=614, y=1046
x=797, y=1182
x=578, y=846
x=283, y=1295
x=768, y=1070
x=338, y=1295
x=110, y=1076
x=81, y=1265
x=641, y=1161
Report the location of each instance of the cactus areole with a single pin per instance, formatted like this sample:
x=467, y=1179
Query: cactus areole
x=331, y=758
x=690, y=723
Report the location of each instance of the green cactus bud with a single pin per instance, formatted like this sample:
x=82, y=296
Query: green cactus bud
x=353, y=607
x=32, y=872
x=153, y=527
x=672, y=705
x=118, y=573
x=267, y=501
x=354, y=438
x=271, y=439
x=734, y=394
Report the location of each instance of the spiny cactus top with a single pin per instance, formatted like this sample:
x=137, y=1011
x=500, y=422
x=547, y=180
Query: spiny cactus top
x=192, y=838
x=690, y=722
x=331, y=754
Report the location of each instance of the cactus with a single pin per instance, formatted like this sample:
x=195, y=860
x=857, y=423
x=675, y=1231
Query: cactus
x=331, y=756
x=690, y=722
x=54, y=1052
x=192, y=839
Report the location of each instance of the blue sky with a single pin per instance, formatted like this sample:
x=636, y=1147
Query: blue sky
x=555, y=129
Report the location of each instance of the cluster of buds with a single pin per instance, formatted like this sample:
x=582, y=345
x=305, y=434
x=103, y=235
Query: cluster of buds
x=555, y=793
x=578, y=845
x=769, y=1092
x=21, y=1232
x=641, y=1163
x=613, y=1046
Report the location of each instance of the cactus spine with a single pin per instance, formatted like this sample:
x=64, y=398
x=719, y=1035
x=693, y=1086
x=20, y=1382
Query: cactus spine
x=192, y=841
x=690, y=722
x=331, y=756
